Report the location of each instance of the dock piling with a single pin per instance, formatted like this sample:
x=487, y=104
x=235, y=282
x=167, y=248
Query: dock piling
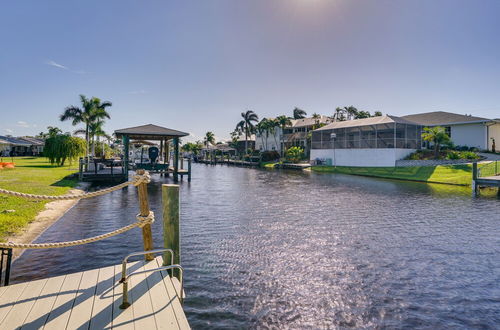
x=171, y=223
x=147, y=235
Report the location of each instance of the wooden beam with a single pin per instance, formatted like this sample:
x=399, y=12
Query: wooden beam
x=171, y=222
x=147, y=234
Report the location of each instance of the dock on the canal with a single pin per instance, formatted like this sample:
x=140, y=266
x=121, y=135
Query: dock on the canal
x=91, y=300
x=479, y=181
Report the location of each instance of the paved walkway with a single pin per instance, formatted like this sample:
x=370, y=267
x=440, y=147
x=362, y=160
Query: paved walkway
x=490, y=157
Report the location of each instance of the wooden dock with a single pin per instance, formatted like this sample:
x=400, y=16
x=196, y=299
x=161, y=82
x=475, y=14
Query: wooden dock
x=91, y=300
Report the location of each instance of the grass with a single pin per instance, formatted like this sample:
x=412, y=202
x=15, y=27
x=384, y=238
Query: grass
x=449, y=174
x=32, y=175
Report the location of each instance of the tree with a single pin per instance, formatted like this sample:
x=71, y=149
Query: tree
x=96, y=131
x=363, y=114
x=299, y=113
x=194, y=148
x=91, y=110
x=436, y=135
x=209, y=138
x=316, y=118
x=61, y=147
x=283, y=121
x=340, y=114
x=247, y=124
x=294, y=154
x=377, y=114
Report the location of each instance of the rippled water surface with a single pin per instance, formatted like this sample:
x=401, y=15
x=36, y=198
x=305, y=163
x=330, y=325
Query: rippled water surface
x=299, y=250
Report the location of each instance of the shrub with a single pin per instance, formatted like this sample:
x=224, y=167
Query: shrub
x=453, y=155
x=270, y=155
x=468, y=155
x=294, y=154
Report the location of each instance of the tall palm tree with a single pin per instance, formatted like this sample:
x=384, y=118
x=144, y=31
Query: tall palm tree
x=283, y=121
x=340, y=114
x=247, y=124
x=317, y=118
x=209, y=138
x=299, y=113
x=96, y=131
x=351, y=111
x=92, y=110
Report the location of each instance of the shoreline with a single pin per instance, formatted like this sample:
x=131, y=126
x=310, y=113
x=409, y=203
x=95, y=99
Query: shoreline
x=52, y=212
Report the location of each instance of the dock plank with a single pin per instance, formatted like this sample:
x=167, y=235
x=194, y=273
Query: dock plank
x=102, y=310
x=91, y=300
x=161, y=299
x=9, y=298
x=82, y=308
x=43, y=305
x=25, y=303
x=59, y=315
x=176, y=303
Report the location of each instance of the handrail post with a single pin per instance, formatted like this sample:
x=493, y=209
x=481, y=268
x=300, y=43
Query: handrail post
x=189, y=169
x=171, y=223
x=147, y=235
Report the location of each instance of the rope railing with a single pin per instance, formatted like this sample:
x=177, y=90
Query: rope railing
x=144, y=219
x=141, y=222
x=136, y=180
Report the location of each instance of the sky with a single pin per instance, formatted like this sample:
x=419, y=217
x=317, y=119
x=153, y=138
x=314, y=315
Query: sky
x=196, y=65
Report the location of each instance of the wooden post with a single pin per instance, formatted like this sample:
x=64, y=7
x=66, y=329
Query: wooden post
x=147, y=235
x=171, y=223
x=475, y=188
x=125, y=141
x=176, y=159
x=189, y=169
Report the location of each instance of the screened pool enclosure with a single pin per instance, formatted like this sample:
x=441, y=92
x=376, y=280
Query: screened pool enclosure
x=370, y=133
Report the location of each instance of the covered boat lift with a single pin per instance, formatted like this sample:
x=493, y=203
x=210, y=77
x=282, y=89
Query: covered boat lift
x=152, y=132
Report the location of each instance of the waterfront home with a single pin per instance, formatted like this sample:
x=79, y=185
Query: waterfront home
x=464, y=130
x=21, y=146
x=293, y=135
x=375, y=141
x=243, y=143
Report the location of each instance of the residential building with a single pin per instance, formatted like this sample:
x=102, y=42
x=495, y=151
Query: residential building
x=464, y=130
x=295, y=134
x=241, y=143
x=375, y=141
x=21, y=146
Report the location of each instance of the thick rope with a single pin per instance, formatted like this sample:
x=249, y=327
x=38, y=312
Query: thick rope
x=136, y=180
x=141, y=222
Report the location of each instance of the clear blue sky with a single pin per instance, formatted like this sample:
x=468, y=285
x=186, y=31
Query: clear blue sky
x=195, y=65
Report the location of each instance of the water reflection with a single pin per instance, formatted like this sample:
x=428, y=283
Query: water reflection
x=305, y=250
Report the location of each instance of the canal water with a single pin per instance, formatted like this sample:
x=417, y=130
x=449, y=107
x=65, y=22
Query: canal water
x=277, y=249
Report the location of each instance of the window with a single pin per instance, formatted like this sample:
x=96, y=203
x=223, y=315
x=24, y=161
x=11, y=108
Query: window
x=447, y=130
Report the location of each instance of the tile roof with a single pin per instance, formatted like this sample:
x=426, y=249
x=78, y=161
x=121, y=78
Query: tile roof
x=443, y=117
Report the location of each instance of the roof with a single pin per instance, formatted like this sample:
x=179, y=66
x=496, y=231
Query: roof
x=367, y=121
x=32, y=140
x=14, y=141
x=443, y=118
x=149, y=132
x=250, y=138
x=309, y=121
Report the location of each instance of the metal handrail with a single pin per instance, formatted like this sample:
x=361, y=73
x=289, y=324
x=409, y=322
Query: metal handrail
x=125, y=277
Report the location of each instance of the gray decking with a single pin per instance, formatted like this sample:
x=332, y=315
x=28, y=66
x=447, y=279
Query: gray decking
x=91, y=299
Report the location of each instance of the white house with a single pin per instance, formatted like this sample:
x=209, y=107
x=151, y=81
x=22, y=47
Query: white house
x=293, y=135
x=464, y=130
x=375, y=141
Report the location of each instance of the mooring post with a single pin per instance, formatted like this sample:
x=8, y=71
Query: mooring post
x=475, y=188
x=189, y=169
x=171, y=223
x=176, y=159
x=147, y=235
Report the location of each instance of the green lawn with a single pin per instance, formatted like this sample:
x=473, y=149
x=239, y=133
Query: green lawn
x=35, y=176
x=450, y=174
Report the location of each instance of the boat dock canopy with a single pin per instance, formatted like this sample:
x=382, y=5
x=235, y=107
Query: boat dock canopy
x=149, y=132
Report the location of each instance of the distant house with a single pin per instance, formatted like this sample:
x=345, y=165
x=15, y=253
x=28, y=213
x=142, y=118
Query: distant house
x=241, y=142
x=293, y=135
x=464, y=130
x=21, y=146
x=375, y=141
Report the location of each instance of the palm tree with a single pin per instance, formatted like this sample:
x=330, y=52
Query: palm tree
x=247, y=124
x=95, y=131
x=299, y=113
x=283, y=121
x=209, y=138
x=339, y=115
x=92, y=110
x=316, y=118
x=377, y=114
x=436, y=135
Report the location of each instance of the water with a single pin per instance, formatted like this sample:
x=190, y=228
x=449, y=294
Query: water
x=280, y=249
